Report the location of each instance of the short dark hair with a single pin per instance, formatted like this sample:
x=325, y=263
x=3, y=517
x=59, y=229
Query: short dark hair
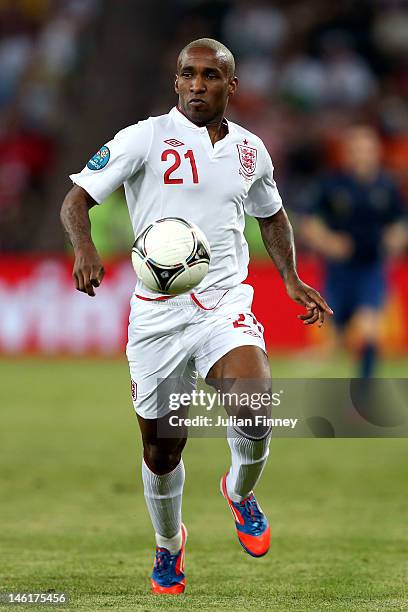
x=215, y=45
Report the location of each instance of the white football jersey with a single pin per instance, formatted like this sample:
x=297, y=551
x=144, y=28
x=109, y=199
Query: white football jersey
x=170, y=168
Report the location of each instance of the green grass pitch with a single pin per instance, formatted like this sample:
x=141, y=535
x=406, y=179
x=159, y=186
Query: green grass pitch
x=72, y=514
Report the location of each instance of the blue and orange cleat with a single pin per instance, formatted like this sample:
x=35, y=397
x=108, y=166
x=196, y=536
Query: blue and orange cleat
x=168, y=570
x=253, y=531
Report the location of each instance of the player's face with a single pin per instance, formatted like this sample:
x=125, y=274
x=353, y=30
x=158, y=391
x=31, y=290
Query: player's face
x=362, y=150
x=203, y=85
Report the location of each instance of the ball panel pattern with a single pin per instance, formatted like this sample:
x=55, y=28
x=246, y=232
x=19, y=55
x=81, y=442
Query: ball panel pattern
x=171, y=255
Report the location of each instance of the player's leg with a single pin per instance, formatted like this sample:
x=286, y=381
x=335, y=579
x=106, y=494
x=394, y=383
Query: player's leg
x=365, y=327
x=232, y=358
x=245, y=369
x=365, y=322
x=158, y=365
x=163, y=479
x=339, y=289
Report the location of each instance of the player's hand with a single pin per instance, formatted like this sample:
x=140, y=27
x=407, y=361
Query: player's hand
x=339, y=246
x=311, y=299
x=88, y=270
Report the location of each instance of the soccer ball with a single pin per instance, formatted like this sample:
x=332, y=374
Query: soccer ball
x=171, y=256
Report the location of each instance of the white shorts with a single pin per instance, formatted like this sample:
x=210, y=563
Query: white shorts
x=183, y=337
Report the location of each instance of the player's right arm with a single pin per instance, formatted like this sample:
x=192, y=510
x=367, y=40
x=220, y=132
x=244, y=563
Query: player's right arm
x=313, y=226
x=337, y=246
x=88, y=270
x=110, y=167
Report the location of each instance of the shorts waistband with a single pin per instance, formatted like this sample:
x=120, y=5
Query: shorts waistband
x=204, y=301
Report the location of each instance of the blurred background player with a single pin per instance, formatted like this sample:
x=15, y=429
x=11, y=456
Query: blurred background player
x=355, y=221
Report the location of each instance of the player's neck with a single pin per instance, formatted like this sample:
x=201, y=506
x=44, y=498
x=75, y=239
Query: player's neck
x=217, y=128
x=365, y=175
x=217, y=131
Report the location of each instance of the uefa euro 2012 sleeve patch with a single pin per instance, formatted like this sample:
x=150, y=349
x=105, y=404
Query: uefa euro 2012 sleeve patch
x=99, y=160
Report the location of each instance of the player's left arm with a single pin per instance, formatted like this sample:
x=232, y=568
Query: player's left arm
x=277, y=235
x=395, y=230
x=395, y=238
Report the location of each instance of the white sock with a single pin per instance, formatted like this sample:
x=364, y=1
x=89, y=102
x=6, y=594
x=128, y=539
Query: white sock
x=163, y=494
x=248, y=458
x=173, y=544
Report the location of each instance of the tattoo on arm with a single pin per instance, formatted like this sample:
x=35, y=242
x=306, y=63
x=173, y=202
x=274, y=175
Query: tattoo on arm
x=75, y=217
x=277, y=235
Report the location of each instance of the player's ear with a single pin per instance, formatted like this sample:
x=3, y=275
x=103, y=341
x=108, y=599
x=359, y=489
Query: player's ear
x=176, y=89
x=232, y=86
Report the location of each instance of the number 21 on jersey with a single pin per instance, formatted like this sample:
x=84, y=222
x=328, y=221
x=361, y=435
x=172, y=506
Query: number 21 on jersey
x=172, y=153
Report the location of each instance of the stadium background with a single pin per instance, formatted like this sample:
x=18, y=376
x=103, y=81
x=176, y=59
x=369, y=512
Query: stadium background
x=72, y=73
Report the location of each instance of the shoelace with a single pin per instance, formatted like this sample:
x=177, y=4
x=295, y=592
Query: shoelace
x=164, y=561
x=253, y=512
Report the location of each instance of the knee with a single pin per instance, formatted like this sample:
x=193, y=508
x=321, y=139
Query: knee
x=162, y=459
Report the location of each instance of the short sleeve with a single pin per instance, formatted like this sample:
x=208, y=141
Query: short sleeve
x=263, y=198
x=116, y=161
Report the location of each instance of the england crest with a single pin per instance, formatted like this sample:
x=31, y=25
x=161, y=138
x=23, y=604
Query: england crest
x=247, y=158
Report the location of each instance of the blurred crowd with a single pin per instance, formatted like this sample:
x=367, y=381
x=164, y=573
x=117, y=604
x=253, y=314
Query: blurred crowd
x=40, y=43
x=307, y=71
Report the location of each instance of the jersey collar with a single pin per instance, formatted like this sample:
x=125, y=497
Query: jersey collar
x=180, y=117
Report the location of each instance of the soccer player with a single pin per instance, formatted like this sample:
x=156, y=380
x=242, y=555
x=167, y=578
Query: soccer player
x=194, y=164
x=354, y=221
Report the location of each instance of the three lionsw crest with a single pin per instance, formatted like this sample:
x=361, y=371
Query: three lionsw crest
x=247, y=158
